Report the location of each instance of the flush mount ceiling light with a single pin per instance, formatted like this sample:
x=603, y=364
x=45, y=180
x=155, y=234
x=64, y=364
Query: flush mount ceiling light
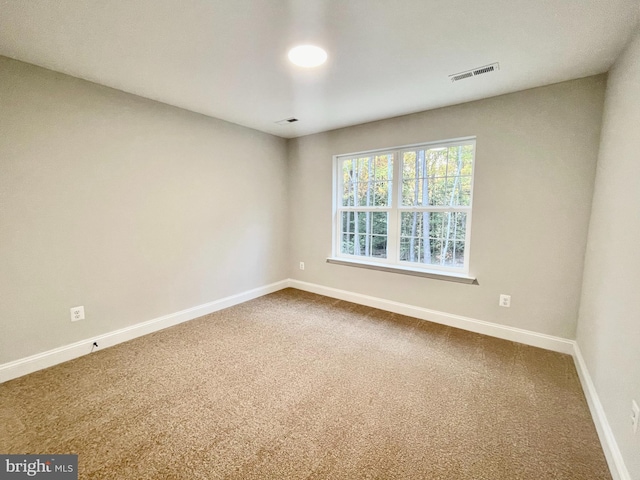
x=307, y=56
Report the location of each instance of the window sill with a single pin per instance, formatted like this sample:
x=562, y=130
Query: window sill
x=416, y=272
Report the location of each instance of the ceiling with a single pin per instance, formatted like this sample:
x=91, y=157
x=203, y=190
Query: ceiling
x=228, y=58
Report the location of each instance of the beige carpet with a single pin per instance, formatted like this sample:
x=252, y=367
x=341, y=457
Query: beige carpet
x=295, y=385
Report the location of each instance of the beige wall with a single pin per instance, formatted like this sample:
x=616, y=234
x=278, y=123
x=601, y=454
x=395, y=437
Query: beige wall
x=535, y=167
x=609, y=325
x=129, y=207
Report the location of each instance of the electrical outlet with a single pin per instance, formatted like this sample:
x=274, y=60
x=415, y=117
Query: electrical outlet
x=635, y=416
x=77, y=313
x=301, y=265
x=505, y=301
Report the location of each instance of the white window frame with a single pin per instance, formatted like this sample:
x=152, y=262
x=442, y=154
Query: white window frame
x=394, y=211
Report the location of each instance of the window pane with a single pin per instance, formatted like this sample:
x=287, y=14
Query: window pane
x=366, y=181
x=347, y=244
x=348, y=221
x=464, y=191
x=437, y=162
x=363, y=186
x=382, y=194
x=445, y=231
x=411, y=235
x=383, y=165
x=379, y=246
x=437, y=176
x=379, y=225
x=460, y=226
x=413, y=174
x=408, y=192
x=363, y=193
x=409, y=169
x=364, y=234
x=435, y=251
x=360, y=245
x=457, y=259
x=348, y=197
x=438, y=191
x=347, y=194
x=365, y=169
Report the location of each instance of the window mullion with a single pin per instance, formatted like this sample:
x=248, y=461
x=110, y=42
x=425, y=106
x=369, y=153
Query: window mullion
x=337, y=202
x=393, y=238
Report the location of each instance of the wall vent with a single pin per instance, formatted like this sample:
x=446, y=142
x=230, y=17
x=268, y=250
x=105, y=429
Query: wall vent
x=475, y=72
x=287, y=121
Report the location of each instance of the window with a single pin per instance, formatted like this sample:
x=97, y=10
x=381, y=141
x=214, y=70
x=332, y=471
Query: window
x=406, y=206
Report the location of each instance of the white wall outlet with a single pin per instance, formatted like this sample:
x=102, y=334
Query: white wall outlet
x=635, y=416
x=301, y=265
x=505, y=300
x=77, y=313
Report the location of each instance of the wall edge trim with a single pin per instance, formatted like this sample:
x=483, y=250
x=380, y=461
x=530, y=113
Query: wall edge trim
x=527, y=337
x=609, y=445
x=49, y=358
x=39, y=361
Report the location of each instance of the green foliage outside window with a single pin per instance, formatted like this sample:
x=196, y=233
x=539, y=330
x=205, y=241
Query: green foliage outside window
x=434, y=181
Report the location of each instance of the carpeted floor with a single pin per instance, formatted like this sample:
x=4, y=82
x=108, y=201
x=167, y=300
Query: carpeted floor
x=298, y=386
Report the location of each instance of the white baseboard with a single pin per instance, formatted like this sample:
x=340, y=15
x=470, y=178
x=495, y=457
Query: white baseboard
x=609, y=445
x=618, y=469
x=49, y=358
x=58, y=355
x=548, y=342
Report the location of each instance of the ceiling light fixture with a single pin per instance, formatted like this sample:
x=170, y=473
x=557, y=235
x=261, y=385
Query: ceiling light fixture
x=307, y=56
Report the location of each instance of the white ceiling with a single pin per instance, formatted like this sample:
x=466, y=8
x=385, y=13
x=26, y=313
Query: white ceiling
x=228, y=58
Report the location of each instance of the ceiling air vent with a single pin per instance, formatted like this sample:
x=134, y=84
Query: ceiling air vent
x=287, y=121
x=460, y=76
x=474, y=72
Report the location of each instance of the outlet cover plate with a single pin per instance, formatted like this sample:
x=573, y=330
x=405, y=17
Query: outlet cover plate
x=77, y=313
x=505, y=301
